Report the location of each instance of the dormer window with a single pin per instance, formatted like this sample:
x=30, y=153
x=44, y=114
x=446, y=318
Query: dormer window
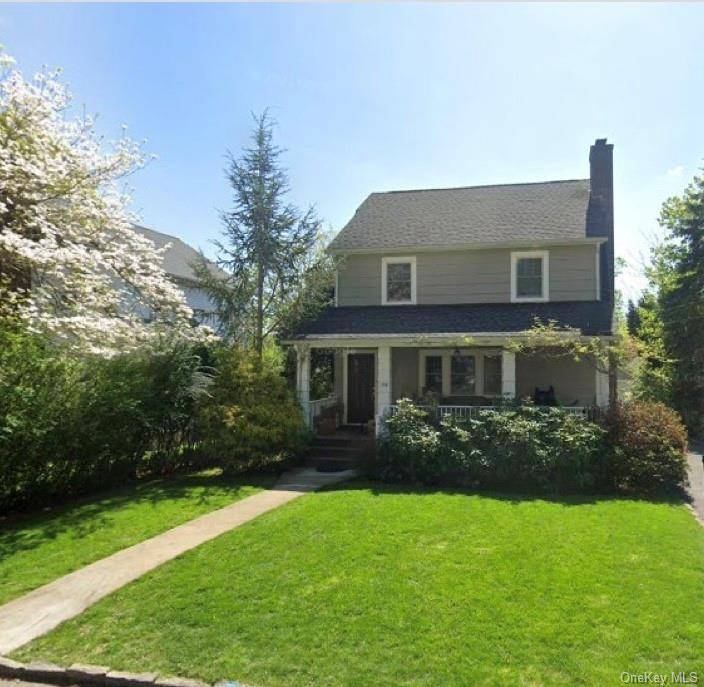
x=529, y=276
x=398, y=281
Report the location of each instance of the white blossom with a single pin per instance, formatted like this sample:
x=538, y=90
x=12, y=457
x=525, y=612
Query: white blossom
x=71, y=264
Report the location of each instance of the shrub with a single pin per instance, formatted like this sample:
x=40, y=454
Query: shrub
x=411, y=446
x=251, y=418
x=647, y=443
x=521, y=446
x=69, y=424
x=39, y=394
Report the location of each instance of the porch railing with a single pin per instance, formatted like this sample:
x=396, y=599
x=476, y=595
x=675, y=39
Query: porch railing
x=313, y=409
x=469, y=412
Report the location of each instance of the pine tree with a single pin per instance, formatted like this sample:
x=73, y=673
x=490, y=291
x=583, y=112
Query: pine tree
x=269, y=251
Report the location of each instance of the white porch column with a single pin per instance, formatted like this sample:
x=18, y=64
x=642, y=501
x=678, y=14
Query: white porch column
x=303, y=380
x=508, y=374
x=602, y=387
x=383, y=383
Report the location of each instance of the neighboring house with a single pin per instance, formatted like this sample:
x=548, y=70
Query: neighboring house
x=435, y=282
x=178, y=260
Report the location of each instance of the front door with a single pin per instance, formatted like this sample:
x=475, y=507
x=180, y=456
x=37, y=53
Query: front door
x=360, y=387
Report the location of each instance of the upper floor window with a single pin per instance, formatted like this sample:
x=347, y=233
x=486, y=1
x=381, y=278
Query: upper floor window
x=398, y=281
x=529, y=275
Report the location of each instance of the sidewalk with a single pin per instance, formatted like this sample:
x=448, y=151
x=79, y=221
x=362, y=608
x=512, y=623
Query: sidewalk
x=696, y=479
x=41, y=610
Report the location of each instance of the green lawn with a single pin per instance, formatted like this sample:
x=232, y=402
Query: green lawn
x=40, y=547
x=373, y=586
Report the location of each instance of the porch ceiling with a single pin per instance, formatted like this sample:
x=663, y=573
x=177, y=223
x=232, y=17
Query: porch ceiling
x=592, y=318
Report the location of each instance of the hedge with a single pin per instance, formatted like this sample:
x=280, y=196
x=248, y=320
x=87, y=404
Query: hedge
x=637, y=448
x=72, y=424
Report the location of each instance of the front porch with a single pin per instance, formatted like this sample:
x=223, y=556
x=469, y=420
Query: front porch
x=368, y=379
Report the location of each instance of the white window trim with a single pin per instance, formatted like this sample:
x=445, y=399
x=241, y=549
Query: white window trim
x=423, y=354
x=515, y=257
x=496, y=354
x=446, y=355
x=394, y=260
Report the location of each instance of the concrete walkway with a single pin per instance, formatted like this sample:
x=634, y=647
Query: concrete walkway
x=695, y=471
x=34, y=614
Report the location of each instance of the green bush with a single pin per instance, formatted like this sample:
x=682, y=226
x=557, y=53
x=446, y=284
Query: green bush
x=251, y=418
x=69, y=424
x=544, y=449
x=647, y=443
x=39, y=394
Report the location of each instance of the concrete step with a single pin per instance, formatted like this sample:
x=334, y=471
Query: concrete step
x=334, y=451
x=332, y=440
x=354, y=430
x=332, y=463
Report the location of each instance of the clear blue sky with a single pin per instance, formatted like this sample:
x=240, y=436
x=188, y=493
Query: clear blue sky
x=379, y=97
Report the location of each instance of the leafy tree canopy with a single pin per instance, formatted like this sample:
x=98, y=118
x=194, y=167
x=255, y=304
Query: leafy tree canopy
x=672, y=314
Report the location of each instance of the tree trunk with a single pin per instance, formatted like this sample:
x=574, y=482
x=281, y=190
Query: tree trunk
x=259, y=337
x=613, y=381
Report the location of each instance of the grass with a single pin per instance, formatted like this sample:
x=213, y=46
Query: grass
x=38, y=548
x=376, y=586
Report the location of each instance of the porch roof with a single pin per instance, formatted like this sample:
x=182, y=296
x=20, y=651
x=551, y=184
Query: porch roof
x=593, y=318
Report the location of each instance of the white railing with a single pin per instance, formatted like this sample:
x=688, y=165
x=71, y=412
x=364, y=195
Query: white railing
x=469, y=412
x=315, y=408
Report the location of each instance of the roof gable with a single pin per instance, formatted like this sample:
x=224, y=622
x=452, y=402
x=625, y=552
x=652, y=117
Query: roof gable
x=545, y=211
x=179, y=257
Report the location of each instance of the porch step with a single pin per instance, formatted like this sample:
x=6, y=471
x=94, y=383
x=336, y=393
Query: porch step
x=322, y=451
x=333, y=463
x=323, y=440
x=353, y=430
x=344, y=450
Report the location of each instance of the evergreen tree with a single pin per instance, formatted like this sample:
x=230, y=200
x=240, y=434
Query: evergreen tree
x=270, y=253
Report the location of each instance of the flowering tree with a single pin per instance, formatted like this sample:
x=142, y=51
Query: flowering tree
x=70, y=263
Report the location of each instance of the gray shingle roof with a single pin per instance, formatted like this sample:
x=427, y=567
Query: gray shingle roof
x=591, y=317
x=179, y=256
x=551, y=210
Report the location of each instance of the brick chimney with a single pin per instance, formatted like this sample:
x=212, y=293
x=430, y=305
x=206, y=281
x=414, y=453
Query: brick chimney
x=600, y=212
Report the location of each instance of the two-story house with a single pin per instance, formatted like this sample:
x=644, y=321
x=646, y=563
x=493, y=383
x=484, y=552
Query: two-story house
x=178, y=262
x=434, y=283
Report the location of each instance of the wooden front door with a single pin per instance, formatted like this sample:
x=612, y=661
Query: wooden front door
x=360, y=387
